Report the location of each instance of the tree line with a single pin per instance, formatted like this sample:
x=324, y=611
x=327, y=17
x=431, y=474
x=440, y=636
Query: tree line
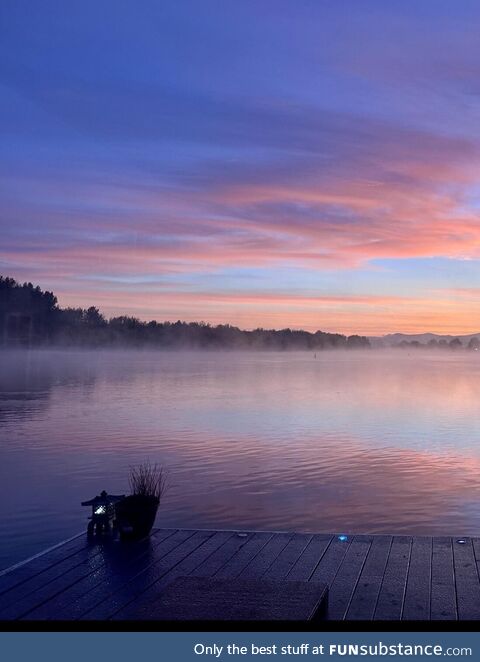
x=454, y=343
x=30, y=316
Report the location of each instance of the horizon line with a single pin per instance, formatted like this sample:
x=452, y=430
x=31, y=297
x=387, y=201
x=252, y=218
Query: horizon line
x=145, y=319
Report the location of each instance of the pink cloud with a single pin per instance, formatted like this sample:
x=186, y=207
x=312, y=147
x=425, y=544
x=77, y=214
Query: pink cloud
x=391, y=194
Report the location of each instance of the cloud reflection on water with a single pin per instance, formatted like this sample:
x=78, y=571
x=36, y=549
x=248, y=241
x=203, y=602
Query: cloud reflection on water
x=374, y=442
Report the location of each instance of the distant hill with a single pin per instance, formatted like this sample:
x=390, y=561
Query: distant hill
x=393, y=339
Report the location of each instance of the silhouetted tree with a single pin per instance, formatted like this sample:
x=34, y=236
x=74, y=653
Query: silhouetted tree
x=26, y=313
x=29, y=306
x=474, y=344
x=357, y=342
x=94, y=318
x=456, y=343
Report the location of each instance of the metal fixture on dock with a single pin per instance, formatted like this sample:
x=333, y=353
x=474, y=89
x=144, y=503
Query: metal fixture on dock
x=103, y=512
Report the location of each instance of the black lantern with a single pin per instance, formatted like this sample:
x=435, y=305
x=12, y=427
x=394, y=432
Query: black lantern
x=103, y=512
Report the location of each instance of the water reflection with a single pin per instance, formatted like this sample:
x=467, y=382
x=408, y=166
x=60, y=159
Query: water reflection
x=348, y=442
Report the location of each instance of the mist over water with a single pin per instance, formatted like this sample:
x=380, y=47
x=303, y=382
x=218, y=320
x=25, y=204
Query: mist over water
x=349, y=441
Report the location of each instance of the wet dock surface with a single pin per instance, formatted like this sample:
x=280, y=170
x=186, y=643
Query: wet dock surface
x=369, y=577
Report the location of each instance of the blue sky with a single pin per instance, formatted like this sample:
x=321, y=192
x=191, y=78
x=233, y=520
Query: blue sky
x=303, y=164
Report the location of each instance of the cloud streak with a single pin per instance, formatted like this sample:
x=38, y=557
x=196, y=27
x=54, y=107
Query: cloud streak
x=150, y=170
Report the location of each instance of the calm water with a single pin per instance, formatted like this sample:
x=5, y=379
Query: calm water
x=350, y=442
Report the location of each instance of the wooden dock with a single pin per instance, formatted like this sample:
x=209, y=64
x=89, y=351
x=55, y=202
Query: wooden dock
x=370, y=577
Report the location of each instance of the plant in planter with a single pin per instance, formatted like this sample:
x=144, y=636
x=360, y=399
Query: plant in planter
x=136, y=513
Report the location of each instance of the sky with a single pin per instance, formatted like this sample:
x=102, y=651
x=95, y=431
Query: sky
x=305, y=164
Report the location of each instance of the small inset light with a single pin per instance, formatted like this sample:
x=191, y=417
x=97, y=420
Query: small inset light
x=242, y=535
x=343, y=538
x=461, y=541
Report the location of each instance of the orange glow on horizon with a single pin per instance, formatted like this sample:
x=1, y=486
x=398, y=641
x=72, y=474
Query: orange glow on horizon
x=349, y=314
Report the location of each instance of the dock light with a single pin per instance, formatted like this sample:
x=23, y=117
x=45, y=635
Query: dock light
x=343, y=538
x=103, y=512
x=461, y=541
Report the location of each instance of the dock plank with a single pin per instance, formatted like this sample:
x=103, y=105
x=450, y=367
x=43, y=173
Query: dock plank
x=392, y=592
x=342, y=588
x=223, y=555
x=310, y=558
x=140, y=607
x=369, y=577
x=262, y=561
x=417, y=594
x=24, y=571
x=443, y=600
x=90, y=590
x=288, y=557
x=365, y=596
x=467, y=583
x=146, y=576
x=330, y=562
x=476, y=548
x=21, y=607
x=54, y=572
x=244, y=555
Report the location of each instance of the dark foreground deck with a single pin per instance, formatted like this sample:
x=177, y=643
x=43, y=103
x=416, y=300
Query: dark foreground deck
x=370, y=577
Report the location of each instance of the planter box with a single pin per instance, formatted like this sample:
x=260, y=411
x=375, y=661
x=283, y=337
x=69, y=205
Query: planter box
x=135, y=516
